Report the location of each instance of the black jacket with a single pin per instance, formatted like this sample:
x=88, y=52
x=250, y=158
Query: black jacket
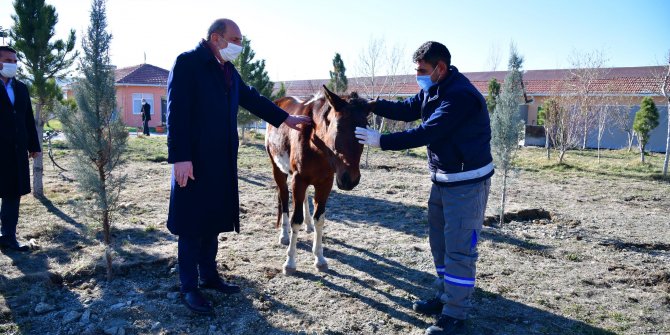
x=18, y=136
x=456, y=130
x=146, y=112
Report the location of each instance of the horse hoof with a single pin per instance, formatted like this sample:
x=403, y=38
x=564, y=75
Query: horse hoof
x=289, y=271
x=321, y=267
x=284, y=240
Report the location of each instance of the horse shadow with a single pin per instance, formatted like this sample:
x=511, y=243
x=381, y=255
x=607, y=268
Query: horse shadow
x=348, y=209
x=352, y=209
x=384, y=270
x=492, y=312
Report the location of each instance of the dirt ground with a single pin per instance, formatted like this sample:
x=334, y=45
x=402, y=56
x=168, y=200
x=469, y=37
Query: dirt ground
x=599, y=265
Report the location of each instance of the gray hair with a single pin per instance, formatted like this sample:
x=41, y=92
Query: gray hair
x=218, y=26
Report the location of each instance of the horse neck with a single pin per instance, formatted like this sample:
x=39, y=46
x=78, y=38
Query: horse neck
x=319, y=108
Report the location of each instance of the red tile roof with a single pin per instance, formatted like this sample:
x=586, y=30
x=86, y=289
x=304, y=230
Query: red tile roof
x=143, y=74
x=621, y=80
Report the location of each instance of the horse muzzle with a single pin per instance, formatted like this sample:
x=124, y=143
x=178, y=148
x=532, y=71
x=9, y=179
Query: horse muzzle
x=344, y=182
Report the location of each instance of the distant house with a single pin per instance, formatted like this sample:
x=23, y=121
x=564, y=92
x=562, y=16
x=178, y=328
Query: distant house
x=137, y=82
x=134, y=83
x=627, y=84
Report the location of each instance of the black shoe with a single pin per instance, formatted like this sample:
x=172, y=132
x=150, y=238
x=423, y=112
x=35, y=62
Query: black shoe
x=221, y=286
x=11, y=244
x=197, y=303
x=430, y=306
x=446, y=325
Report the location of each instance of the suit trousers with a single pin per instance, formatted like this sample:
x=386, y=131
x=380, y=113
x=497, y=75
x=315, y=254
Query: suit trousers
x=197, y=259
x=455, y=217
x=145, y=127
x=9, y=216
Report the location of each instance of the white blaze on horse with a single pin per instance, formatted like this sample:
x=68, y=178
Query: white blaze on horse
x=315, y=155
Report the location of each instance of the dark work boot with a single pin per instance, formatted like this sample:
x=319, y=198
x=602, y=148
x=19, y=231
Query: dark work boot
x=429, y=307
x=446, y=325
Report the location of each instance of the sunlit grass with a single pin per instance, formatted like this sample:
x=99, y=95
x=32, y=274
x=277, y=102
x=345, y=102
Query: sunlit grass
x=53, y=125
x=153, y=148
x=613, y=163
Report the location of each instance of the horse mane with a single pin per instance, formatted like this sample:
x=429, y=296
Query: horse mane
x=355, y=100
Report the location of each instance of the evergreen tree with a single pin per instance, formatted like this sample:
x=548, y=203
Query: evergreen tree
x=98, y=138
x=32, y=35
x=338, y=79
x=281, y=92
x=506, y=124
x=646, y=119
x=253, y=73
x=493, y=93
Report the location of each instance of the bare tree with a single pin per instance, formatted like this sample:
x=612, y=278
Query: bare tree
x=587, y=71
x=493, y=60
x=663, y=79
x=370, y=63
x=395, y=79
x=566, y=119
x=622, y=120
x=604, y=114
x=378, y=73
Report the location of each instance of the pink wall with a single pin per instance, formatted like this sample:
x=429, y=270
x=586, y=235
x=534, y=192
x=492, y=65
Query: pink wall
x=124, y=102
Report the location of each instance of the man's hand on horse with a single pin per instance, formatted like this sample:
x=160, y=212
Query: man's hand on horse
x=182, y=172
x=297, y=122
x=368, y=136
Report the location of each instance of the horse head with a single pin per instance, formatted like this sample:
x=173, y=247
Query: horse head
x=338, y=123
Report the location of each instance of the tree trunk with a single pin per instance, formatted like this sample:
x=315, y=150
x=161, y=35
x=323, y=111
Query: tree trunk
x=243, y=139
x=367, y=155
x=667, y=145
x=38, y=162
x=642, y=153
x=546, y=143
x=560, y=156
x=504, y=193
x=108, y=243
x=586, y=130
x=381, y=125
x=106, y=225
x=598, y=150
x=630, y=140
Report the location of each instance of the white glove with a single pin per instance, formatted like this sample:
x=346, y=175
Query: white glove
x=368, y=136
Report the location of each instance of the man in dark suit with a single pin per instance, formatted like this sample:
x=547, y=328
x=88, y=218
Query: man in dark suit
x=18, y=141
x=204, y=92
x=146, y=116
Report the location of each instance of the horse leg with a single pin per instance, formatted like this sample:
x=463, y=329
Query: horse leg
x=309, y=223
x=299, y=187
x=282, y=203
x=321, y=193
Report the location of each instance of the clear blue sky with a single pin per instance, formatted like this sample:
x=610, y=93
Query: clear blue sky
x=298, y=39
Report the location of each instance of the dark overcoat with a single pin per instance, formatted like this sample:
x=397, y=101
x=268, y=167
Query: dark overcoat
x=202, y=128
x=146, y=112
x=18, y=136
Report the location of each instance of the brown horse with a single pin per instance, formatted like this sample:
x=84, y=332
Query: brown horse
x=312, y=156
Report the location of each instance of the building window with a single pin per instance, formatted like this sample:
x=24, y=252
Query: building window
x=137, y=102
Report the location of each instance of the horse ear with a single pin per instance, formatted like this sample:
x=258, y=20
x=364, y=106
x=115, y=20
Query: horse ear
x=334, y=99
x=371, y=106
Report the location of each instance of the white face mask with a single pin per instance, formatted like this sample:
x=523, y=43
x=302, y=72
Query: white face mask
x=8, y=70
x=230, y=52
